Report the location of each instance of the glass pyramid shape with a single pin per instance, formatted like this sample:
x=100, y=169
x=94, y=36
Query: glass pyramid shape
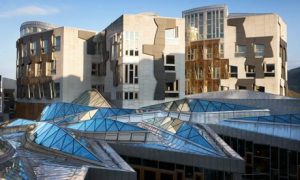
x=60, y=110
x=52, y=136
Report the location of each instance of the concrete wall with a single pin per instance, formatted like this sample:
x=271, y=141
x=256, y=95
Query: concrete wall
x=257, y=27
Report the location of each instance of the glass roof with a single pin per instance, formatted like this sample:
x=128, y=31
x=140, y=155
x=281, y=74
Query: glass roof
x=104, y=125
x=52, y=136
x=197, y=105
x=279, y=130
x=21, y=122
x=92, y=98
x=182, y=129
x=169, y=141
x=286, y=119
x=58, y=109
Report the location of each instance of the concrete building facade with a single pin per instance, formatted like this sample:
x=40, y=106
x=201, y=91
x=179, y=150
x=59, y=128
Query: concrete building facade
x=143, y=56
x=53, y=64
x=7, y=98
x=235, y=51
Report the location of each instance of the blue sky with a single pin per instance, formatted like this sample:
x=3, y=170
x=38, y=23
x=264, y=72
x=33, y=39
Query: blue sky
x=97, y=14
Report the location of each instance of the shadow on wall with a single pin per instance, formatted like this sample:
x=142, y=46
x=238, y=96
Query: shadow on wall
x=156, y=78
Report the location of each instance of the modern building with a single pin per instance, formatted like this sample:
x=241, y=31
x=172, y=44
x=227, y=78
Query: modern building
x=188, y=138
x=142, y=60
x=7, y=98
x=235, y=51
x=53, y=64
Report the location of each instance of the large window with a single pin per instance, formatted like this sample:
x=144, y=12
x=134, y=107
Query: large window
x=131, y=43
x=57, y=43
x=131, y=74
x=98, y=69
x=170, y=63
x=171, y=36
x=33, y=48
x=259, y=50
x=216, y=73
x=38, y=69
x=240, y=50
x=44, y=46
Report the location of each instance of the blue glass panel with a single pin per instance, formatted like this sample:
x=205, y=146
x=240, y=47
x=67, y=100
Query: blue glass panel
x=192, y=103
x=211, y=108
x=225, y=107
x=198, y=108
x=113, y=127
x=204, y=104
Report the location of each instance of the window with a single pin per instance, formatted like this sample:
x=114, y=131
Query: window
x=130, y=95
x=57, y=90
x=44, y=46
x=99, y=87
x=53, y=67
x=131, y=43
x=131, y=74
x=38, y=69
x=57, y=43
x=201, y=24
x=221, y=50
x=260, y=88
x=234, y=71
x=209, y=52
x=259, y=50
x=216, y=73
x=209, y=25
x=170, y=63
x=250, y=70
x=33, y=48
x=116, y=46
x=171, y=36
x=171, y=89
x=98, y=69
x=240, y=50
x=198, y=72
x=269, y=70
x=23, y=50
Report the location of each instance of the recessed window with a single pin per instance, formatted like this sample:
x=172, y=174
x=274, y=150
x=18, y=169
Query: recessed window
x=57, y=43
x=170, y=63
x=130, y=95
x=131, y=74
x=209, y=52
x=57, y=90
x=33, y=48
x=234, y=71
x=240, y=50
x=44, y=46
x=172, y=89
x=269, y=70
x=98, y=69
x=216, y=73
x=259, y=50
x=250, y=70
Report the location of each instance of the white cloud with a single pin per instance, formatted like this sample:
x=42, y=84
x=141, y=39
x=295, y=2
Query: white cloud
x=29, y=10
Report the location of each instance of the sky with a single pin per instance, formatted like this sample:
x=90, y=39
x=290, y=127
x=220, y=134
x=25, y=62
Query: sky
x=98, y=14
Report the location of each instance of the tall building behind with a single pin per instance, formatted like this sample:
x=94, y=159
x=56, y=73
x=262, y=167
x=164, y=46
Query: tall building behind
x=142, y=60
x=7, y=98
x=235, y=51
x=53, y=64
